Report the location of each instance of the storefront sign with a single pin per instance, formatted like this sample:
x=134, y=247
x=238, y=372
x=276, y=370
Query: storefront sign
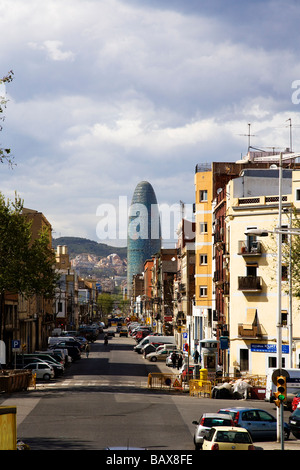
x=268, y=348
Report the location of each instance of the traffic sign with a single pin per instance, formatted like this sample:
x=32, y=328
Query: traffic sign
x=16, y=344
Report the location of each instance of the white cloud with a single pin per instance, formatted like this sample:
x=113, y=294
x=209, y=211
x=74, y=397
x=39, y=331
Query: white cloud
x=53, y=50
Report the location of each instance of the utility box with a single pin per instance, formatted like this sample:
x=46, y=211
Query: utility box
x=8, y=428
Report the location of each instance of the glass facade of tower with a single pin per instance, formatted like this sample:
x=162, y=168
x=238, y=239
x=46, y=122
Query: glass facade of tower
x=144, y=230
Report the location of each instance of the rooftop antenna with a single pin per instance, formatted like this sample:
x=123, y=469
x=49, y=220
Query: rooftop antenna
x=182, y=209
x=290, y=133
x=248, y=135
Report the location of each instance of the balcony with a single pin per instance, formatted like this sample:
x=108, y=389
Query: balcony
x=249, y=249
x=249, y=331
x=250, y=283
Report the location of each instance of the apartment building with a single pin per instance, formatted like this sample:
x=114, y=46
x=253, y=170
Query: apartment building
x=252, y=203
x=201, y=322
x=184, y=282
x=209, y=181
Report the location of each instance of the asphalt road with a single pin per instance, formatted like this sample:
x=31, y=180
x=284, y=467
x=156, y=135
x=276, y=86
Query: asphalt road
x=103, y=401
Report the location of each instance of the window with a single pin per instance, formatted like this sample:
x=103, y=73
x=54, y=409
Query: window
x=203, y=291
x=203, y=195
x=251, y=269
x=203, y=227
x=203, y=259
x=284, y=273
x=297, y=194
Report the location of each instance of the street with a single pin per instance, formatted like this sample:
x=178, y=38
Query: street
x=102, y=401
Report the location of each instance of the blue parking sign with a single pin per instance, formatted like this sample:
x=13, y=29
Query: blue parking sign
x=16, y=344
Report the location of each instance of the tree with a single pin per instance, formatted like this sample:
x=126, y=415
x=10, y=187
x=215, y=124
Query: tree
x=105, y=303
x=291, y=255
x=26, y=266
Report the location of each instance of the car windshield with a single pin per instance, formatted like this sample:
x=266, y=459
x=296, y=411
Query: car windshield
x=227, y=412
x=232, y=436
x=210, y=422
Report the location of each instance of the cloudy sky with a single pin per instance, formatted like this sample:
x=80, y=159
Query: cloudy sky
x=107, y=93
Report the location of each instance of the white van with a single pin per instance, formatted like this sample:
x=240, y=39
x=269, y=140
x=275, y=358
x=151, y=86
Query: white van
x=154, y=339
x=292, y=385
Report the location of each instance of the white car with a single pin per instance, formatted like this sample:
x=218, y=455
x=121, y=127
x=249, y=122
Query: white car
x=207, y=421
x=42, y=370
x=159, y=355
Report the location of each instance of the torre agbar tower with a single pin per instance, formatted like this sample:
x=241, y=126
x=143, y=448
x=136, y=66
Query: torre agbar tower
x=144, y=230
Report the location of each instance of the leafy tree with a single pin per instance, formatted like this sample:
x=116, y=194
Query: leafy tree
x=105, y=303
x=291, y=255
x=27, y=266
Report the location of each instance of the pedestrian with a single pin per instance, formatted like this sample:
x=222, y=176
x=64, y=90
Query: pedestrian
x=196, y=356
x=174, y=358
x=179, y=362
x=87, y=349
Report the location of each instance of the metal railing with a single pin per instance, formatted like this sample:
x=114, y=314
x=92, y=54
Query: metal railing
x=200, y=388
x=166, y=381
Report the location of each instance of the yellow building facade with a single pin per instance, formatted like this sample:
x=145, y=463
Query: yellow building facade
x=252, y=204
x=203, y=304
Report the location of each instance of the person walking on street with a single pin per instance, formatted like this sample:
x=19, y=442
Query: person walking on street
x=87, y=349
x=196, y=356
x=179, y=362
x=174, y=358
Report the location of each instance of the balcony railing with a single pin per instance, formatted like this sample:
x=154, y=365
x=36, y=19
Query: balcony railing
x=249, y=249
x=250, y=283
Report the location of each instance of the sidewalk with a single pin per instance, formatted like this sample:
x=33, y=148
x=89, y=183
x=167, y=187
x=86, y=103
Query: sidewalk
x=291, y=444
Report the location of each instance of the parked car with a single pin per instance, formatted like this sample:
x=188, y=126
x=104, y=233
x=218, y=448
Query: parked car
x=294, y=422
x=37, y=357
x=73, y=351
x=123, y=332
x=42, y=370
x=261, y=424
x=207, y=421
x=296, y=401
x=160, y=355
x=228, y=438
x=149, y=348
x=141, y=334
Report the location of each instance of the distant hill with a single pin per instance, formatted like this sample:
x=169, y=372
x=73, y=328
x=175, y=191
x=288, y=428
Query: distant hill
x=77, y=246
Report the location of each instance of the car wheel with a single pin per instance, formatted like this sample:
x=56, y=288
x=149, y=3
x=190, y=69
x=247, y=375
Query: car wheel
x=153, y=359
x=46, y=377
x=296, y=434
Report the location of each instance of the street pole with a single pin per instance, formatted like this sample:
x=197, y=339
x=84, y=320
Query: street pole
x=290, y=313
x=279, y=280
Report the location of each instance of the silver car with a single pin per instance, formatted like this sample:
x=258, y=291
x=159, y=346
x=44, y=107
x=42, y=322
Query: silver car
x=207, y=421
